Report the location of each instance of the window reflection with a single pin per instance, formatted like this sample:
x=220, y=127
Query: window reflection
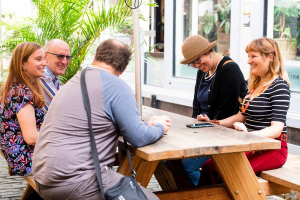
x=209, y=18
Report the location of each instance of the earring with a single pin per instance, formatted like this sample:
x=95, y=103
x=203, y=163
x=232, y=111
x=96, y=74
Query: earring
x=210, y=56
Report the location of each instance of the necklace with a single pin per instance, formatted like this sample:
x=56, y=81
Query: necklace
x=207, y=77
x=244, y=107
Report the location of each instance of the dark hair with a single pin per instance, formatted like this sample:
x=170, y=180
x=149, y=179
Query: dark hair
x=114, y=53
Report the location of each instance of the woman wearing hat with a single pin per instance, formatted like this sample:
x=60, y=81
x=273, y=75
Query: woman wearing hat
x=219, y=86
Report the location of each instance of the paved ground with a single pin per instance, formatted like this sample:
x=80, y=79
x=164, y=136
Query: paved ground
x=12, y=187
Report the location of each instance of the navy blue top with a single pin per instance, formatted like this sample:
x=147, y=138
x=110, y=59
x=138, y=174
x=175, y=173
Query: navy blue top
x=202, y=94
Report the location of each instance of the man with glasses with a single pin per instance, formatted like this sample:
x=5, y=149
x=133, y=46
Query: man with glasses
x=63, y=167
x=58, y=59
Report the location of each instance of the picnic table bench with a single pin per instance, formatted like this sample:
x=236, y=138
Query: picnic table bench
x=284, y=176
x=225, y=146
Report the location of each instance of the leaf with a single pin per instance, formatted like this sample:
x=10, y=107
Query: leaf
x=287, y=32
x=227, y=27
x=218, y=6
x=293, y=42
x=222, y=23
x=216, y=19
x=78, y=22
x=152, y=4
x=207, y=29
x=298, y=35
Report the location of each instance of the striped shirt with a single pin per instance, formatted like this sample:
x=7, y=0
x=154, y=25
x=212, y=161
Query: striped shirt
x=50, y=85
x=271, y=105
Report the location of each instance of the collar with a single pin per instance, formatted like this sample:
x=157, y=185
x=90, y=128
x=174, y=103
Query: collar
x=49, y=75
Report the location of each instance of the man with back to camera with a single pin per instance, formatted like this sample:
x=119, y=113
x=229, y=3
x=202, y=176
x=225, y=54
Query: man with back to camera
x=57, y=55
x=62, y=165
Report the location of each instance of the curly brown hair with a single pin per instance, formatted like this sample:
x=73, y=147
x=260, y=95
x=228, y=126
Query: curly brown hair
x=114, y=53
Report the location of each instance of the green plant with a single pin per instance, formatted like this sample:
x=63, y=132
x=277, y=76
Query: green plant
x=75, y=21
x=222, y=17
x=125, y=28
x=219, y=17
x=207, y=21
x=286, y=16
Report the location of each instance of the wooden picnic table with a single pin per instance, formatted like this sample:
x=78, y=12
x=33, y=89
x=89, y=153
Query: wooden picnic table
x=225, y=146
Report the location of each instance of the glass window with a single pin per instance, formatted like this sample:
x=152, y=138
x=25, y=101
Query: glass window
x=284, y=27
x=159, y=22
x=154, y=69
x=209, y=18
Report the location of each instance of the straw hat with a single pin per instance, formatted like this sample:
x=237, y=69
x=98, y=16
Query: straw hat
x=195, y=46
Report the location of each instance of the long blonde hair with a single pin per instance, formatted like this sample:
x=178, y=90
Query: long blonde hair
x=266, y=46
x=16, y=74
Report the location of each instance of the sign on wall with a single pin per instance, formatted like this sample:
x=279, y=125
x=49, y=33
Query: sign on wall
x=246, y=13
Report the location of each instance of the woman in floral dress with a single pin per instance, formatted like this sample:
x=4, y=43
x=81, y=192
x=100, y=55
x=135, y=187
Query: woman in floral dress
x=21, y=107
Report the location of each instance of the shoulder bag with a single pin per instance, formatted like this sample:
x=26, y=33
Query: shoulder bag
x=127, y=188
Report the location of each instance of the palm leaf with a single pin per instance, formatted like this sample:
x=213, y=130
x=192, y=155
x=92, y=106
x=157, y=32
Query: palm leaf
x=74, y=21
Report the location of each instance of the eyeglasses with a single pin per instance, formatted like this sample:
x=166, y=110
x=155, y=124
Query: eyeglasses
x=198, y=59
x=195, y=61
x=60, y=56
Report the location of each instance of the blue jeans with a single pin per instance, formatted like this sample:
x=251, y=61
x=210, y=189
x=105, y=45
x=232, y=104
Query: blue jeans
x=192, y=168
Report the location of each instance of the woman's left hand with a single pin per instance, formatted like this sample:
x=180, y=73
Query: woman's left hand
x=203, y=118
x=240, y=126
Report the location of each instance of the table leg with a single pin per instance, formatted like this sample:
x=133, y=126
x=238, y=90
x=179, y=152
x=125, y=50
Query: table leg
x=238, y=176
x=144, y=169
x=165, y=177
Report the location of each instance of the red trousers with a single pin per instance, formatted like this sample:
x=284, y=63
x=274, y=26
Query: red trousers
x=259, y=161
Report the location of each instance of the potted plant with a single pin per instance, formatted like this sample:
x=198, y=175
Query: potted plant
x=285, y=21
x=220, y=19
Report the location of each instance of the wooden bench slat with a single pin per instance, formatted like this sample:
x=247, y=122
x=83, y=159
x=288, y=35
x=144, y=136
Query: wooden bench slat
x=218, y=192
x=283, y=176
x=30, y=181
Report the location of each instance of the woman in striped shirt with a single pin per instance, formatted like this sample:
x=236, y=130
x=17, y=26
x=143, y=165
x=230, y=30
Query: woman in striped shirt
x=263, y=111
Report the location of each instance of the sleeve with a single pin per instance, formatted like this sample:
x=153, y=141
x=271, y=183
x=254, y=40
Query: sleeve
x=127, y=118
x=20, y=96
x=280, y=100
x=196, y=107
x=230, y=86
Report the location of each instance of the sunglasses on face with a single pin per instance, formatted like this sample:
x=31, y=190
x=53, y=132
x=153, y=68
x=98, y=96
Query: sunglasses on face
x=195, y=61
x=61, y=57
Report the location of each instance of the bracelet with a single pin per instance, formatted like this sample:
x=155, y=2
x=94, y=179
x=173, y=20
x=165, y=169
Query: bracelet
x=214, y=121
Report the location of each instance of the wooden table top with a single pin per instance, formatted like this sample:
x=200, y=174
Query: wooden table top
x=182, y=142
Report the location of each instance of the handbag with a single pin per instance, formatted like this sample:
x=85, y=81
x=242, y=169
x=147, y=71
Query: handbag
x=127, y=188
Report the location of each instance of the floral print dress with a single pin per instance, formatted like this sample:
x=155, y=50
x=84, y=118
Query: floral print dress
x=17, y=152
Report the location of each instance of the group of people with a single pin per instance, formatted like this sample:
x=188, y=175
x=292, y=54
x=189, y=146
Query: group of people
x=32, y=82
x=56, y=149
x=222, y=97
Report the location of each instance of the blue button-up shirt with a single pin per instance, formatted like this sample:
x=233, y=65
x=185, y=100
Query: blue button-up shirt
x=50, y=85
